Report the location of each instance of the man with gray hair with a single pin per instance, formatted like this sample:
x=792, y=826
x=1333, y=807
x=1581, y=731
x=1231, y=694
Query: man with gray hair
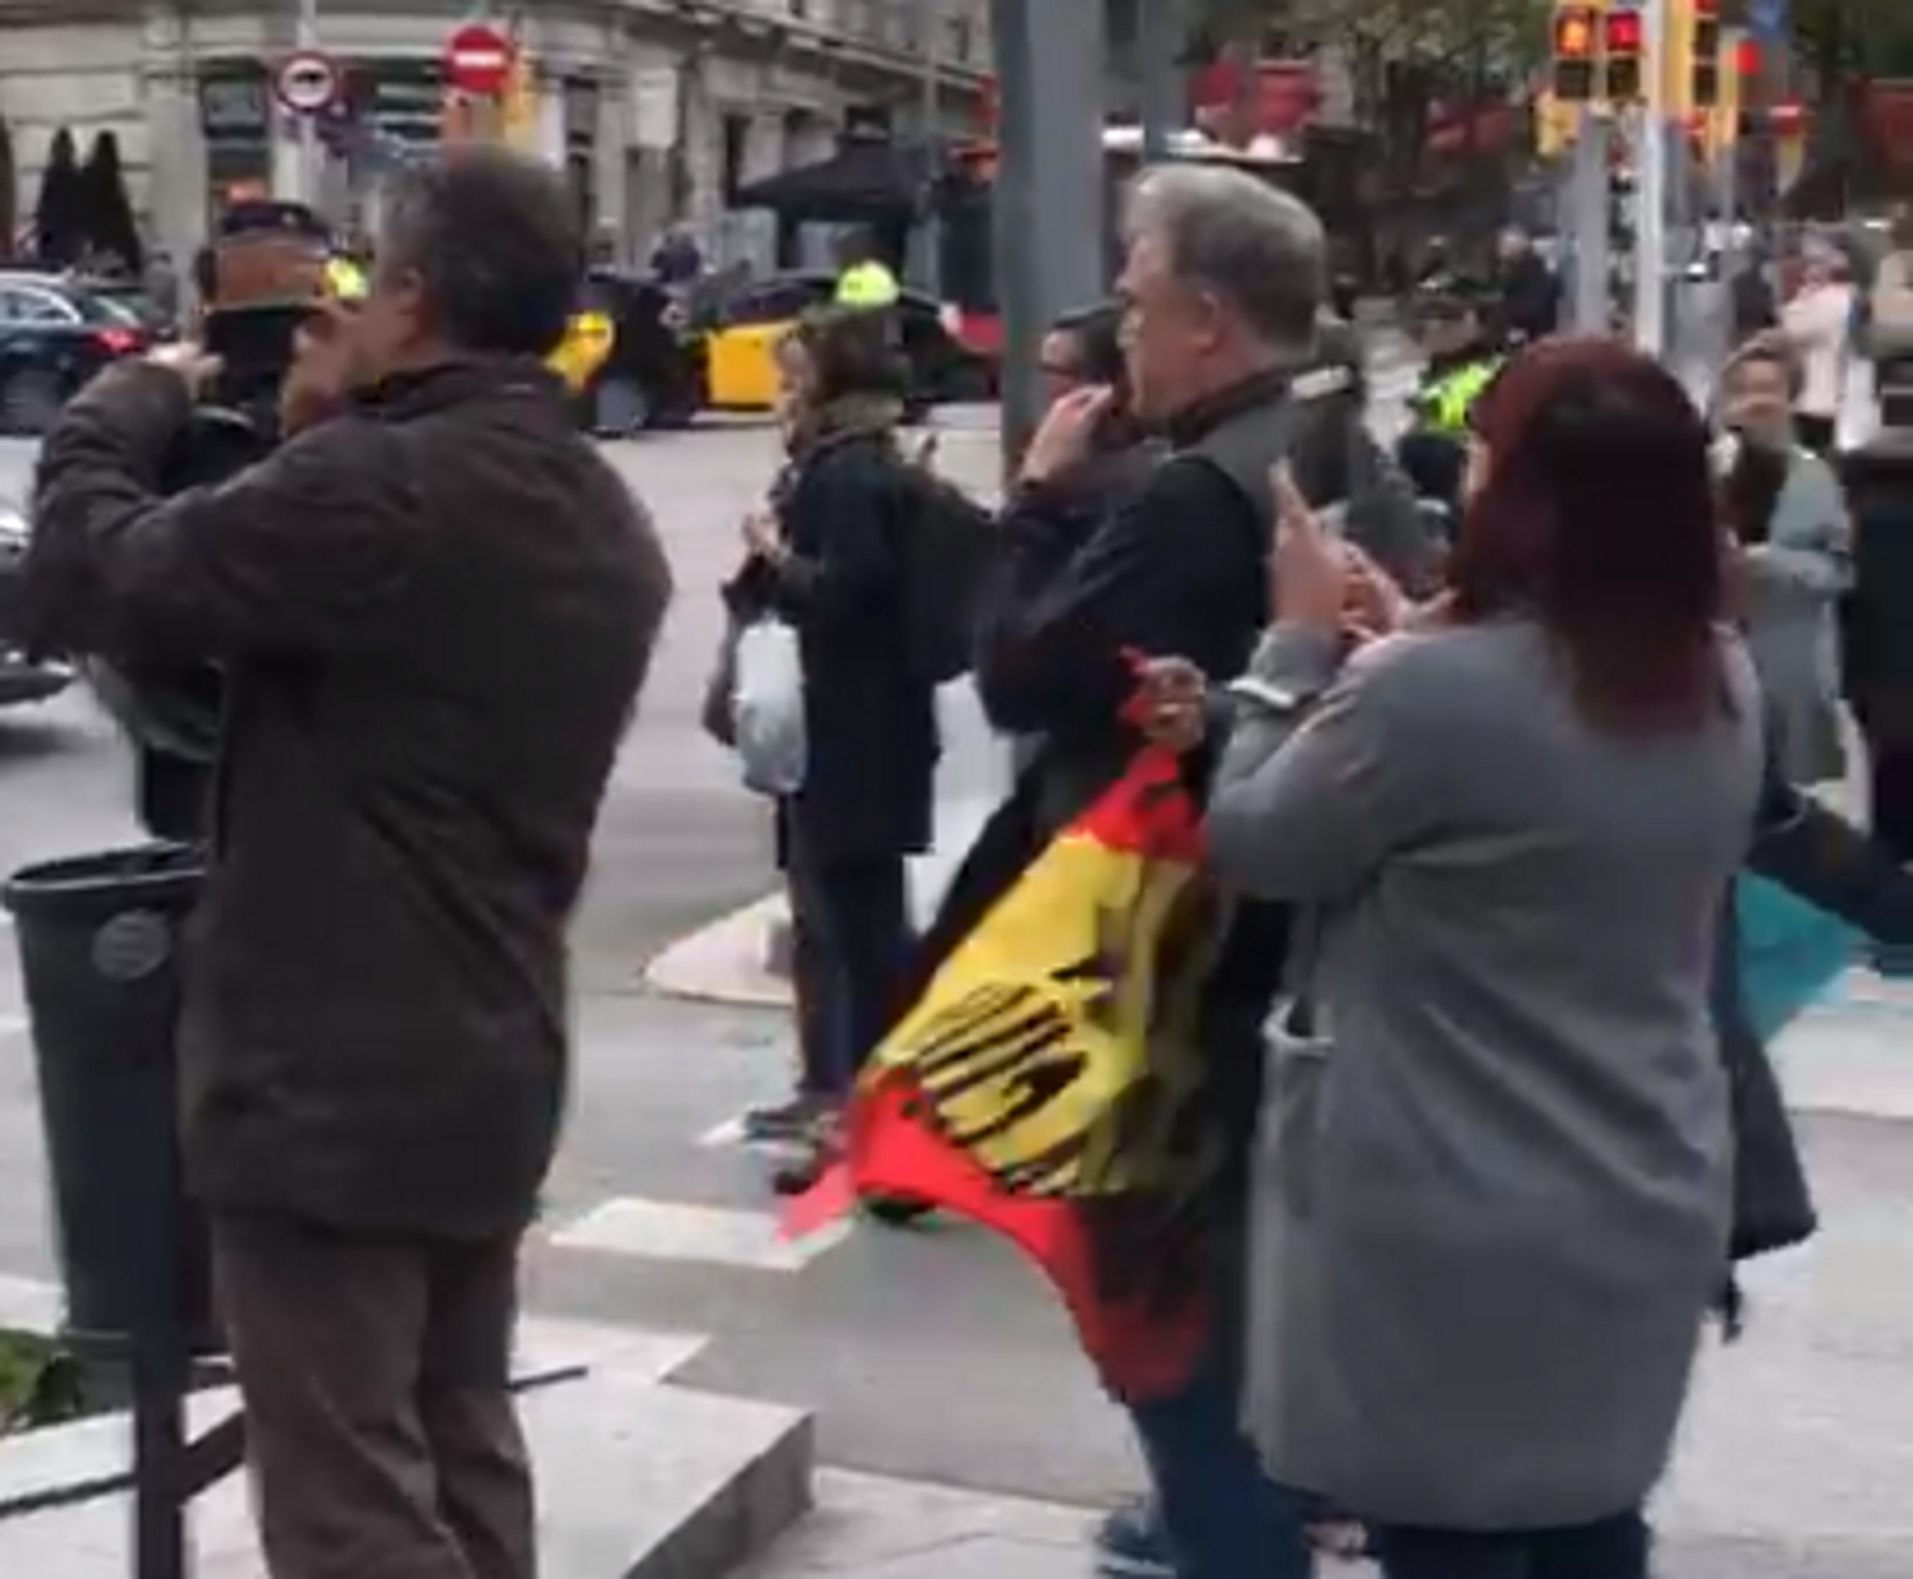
x=434, y=605
x=1222, y=290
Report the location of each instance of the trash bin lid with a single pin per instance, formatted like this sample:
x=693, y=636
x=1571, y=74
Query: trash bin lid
x=95, y=887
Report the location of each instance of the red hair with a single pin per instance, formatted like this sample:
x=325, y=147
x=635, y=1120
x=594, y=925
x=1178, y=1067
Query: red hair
x=1598, y=519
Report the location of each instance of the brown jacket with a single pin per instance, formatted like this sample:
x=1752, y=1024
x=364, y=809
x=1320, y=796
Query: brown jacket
x=435, y=613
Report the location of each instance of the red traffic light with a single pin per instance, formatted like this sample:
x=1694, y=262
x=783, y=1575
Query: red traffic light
x=1747, y=62
x=1574, y=33
x=1625, y=33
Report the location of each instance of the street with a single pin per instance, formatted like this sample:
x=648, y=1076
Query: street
x=933, y=1354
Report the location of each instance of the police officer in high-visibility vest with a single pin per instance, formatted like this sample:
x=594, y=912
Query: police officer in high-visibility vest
x=1462, y=362
x=864, y=280
x=345, y=279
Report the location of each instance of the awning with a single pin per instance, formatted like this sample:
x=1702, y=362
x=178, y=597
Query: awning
x=864, y=182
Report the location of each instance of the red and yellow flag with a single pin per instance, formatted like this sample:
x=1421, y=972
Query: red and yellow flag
x=1042, y=1084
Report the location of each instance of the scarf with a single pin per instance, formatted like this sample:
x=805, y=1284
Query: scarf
x=847, y=417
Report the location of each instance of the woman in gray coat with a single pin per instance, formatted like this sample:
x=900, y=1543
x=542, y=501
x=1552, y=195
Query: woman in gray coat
x=1494, y=1197
x=1796, y=565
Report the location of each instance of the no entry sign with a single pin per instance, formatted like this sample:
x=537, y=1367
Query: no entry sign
x=478, y=60
x=307, y=82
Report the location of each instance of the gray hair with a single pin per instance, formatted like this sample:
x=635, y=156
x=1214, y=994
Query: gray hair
x=1259, y=249
x=494, y=239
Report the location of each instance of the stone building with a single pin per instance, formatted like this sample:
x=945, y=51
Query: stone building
x=657, y=108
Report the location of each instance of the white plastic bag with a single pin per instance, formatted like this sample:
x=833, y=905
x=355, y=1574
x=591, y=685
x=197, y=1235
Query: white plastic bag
x=767, y=708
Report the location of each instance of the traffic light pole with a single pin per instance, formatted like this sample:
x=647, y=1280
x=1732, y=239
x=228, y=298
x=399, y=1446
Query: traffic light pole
x=1651, y=188
x=311, y=154
x=1159, y=47
x=1588, y=225
x=1049, y=216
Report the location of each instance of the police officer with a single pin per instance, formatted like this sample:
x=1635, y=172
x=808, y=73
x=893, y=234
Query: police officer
x=1462, y=362
x=864, y=280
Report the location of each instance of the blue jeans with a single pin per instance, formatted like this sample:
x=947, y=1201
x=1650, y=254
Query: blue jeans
x=1224, y=1517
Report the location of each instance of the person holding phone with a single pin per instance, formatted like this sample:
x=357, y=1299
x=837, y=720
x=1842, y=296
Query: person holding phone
x=1221, y=294
x=1497, y=1220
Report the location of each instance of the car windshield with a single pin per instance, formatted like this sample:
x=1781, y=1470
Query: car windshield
x=129, y=309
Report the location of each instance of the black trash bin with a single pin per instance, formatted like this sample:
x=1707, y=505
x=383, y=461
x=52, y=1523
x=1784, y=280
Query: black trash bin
x=98, y=938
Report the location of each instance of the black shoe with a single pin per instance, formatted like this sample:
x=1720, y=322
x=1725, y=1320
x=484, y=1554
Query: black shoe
x=784, y=1121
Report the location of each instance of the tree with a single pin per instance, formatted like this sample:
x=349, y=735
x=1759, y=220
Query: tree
x=59, y=220
x=1404, y=58
x=108, y=212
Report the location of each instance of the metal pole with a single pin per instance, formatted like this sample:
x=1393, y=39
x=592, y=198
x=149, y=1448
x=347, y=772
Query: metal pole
x=1050, y=186
x=1650, y=154
x=931, y=22
x=310, y=152
x=1159, y=45
x=1589, y=222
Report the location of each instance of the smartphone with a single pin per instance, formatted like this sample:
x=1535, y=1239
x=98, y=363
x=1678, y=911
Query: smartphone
x=254, y=342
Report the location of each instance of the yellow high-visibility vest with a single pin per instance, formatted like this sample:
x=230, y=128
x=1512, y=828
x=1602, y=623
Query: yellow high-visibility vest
x=867, y=285
x=345, y=281
x=585, y=348
x=1449, y=402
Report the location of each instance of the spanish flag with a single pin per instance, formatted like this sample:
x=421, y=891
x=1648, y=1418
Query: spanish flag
x=1046, y=1082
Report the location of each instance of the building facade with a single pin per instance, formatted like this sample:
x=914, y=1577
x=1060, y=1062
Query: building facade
x=657, y=109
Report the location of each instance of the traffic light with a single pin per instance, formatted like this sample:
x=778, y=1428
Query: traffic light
x=1706, y=55
x=1739, y=65
x=1576, y=52
x=1623, y=40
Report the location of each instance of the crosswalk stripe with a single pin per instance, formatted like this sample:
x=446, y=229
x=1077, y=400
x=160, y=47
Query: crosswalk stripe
x=543, y=1343
x=629, y=1225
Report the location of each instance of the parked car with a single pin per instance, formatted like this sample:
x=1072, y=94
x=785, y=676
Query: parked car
x=21, y=680
x=56, y=332
x=744, y=328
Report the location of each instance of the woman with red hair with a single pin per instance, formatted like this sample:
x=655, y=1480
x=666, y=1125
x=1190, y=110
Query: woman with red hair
x=1495, y=1200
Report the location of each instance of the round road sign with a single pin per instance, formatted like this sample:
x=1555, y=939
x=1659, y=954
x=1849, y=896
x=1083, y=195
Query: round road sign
x=307, y=82
x=478, y=60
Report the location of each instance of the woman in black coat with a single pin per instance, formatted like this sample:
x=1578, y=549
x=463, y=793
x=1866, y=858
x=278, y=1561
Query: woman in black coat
x=827, y=558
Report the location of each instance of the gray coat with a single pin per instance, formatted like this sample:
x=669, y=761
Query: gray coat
x=1794, y=583
x=1492, y=1199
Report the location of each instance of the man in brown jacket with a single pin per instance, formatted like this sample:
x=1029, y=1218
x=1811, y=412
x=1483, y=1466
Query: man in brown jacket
x=434, y=604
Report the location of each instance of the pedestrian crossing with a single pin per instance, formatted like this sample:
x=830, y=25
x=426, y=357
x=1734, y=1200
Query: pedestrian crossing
x=722, y=1225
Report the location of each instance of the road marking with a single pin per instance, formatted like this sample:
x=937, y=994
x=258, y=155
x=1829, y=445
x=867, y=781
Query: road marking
x=673, y=1231
x=30, y=1305
x=721, y=1137
x=543, y=1343
x=14, y=1025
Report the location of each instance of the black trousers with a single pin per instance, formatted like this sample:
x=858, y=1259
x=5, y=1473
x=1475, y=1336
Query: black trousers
x=851, y=926
x=1616, y=1548
x=1890, y=775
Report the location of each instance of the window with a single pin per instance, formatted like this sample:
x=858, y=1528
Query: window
x=737, y=152
x=25, y=305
